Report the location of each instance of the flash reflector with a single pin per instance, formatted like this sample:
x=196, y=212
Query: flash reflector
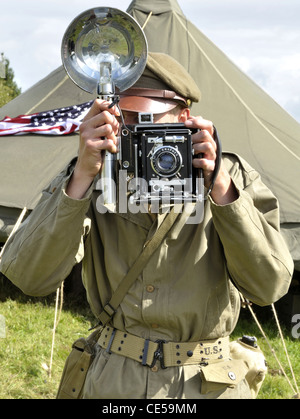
x=104, y=35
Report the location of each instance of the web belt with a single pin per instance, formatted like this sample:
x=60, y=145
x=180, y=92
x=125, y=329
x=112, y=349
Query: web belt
x=168, y=354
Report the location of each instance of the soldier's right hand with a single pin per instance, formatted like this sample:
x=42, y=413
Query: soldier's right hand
x=98, y=131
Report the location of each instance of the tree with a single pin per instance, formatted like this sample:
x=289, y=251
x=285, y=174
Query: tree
x=8, y=87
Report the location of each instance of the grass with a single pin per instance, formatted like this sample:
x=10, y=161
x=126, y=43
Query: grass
x=26, y=349
x=275, y=385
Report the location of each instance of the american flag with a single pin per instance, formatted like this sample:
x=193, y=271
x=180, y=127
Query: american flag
x=55, y=122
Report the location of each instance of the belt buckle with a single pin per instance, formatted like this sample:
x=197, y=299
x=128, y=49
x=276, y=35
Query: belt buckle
x=159, y=354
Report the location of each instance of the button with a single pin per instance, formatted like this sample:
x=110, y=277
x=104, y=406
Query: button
x=154, y=369
x=150, y=288
x=232, y=376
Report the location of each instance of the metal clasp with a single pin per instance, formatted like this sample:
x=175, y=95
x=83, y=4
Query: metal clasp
x=159, y=354
x=111, y=341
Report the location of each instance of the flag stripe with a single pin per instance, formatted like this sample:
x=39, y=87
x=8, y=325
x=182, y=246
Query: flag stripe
x=54, y=122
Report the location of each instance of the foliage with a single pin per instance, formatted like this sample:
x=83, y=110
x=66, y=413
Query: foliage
x=8, y=87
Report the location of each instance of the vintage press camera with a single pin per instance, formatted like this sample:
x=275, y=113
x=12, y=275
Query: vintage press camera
x=102, y=49
x=158, y=160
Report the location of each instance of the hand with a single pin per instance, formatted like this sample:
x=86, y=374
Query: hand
x=204, y=145
x=98, y=131
x=224, y=191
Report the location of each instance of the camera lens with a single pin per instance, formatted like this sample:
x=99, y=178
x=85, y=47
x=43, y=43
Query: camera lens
x=166, y=161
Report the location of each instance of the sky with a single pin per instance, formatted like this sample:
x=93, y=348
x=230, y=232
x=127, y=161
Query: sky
x=262, y=37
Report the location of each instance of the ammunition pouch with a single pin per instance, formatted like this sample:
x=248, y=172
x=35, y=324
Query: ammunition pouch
x=76, y=367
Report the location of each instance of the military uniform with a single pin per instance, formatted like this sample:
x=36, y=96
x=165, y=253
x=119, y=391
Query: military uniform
x=186, y=294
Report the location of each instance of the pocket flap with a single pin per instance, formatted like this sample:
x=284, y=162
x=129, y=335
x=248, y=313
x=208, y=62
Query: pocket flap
x=222, y=374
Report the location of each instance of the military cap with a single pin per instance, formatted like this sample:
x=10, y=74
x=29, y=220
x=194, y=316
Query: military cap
x=163, y=85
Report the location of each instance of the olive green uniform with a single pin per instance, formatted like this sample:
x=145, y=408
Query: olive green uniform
x=185, y=293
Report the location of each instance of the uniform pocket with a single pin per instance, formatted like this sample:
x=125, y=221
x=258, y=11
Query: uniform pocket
x=219, y=375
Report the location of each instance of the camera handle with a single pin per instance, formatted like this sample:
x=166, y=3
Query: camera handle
x=106, y=91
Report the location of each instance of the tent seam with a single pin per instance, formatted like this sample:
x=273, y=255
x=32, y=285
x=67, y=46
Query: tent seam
x=236, y=93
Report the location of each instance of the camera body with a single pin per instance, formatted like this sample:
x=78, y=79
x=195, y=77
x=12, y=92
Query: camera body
x=158, y=159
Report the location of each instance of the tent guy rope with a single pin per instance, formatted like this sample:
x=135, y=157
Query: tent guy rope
x=57, y=313
x=247, y=304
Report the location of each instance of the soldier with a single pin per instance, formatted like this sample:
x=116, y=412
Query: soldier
x=169, y=337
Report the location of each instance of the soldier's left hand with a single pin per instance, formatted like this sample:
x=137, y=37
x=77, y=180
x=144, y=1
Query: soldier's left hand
x=204, y=146
x=224, y=191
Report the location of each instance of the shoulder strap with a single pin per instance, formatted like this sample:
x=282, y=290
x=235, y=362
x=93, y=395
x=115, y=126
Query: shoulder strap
x=111, y=307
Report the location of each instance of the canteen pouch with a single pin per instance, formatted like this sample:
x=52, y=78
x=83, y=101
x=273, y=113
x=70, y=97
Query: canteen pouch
x=219, y=375
x=77, y=366
x=255, y=362
x=245, y=362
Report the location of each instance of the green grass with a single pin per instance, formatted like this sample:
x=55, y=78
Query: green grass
x=26, y=350
x=275, y=385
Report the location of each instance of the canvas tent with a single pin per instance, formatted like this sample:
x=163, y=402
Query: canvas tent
x=29, y=162
x=249, y=122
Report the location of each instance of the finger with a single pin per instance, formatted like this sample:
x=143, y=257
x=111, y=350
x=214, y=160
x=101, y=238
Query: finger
x=97, y=145
x=100, y=125
x=99, y=133
x=204, y=142
x=207, y=165
x=206, y=150
x=110, y=145
x=104, y=118
x=200, y=123
x=106, y=131
x=99, y=106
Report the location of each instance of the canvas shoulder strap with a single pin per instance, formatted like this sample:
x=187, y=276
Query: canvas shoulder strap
x=116, y=299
